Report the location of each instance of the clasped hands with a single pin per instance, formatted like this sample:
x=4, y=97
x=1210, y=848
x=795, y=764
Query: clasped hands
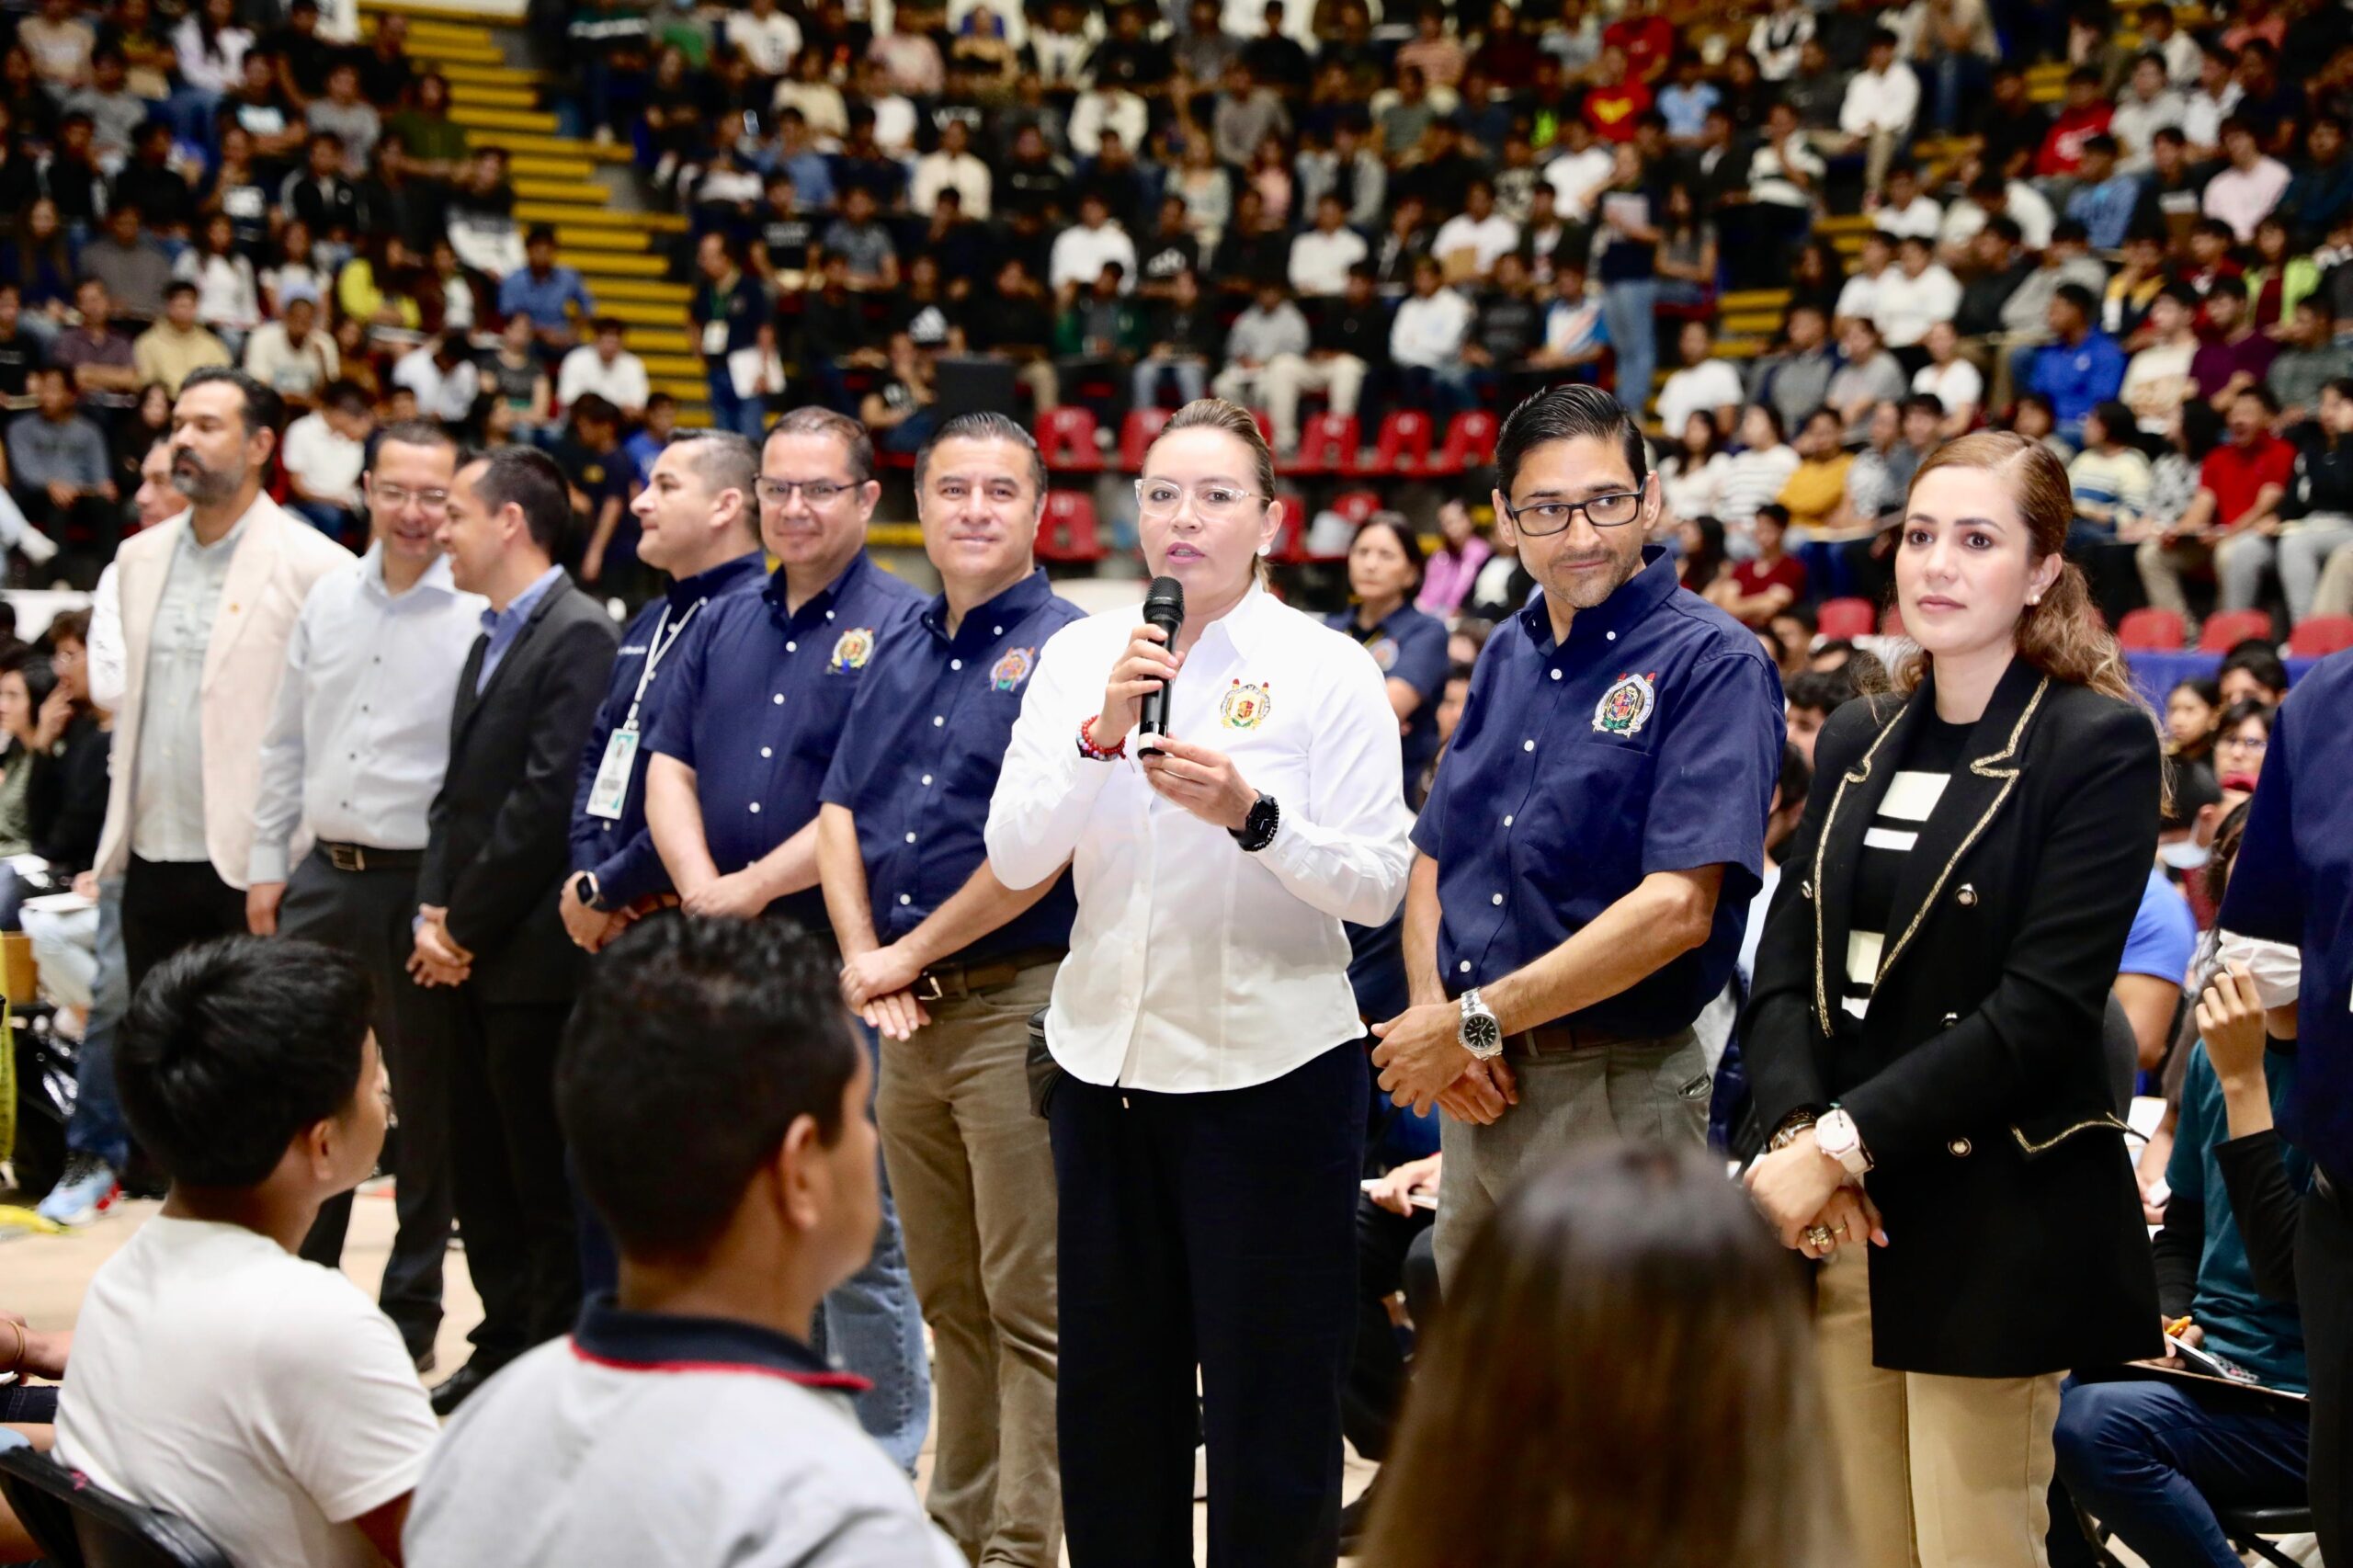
x=437, y=959
x=1423, y=1061
x=878, y=986
x=1804, y=1195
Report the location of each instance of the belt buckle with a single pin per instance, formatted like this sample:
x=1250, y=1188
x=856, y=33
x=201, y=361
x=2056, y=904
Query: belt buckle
x=927, y=987
x=347, y=857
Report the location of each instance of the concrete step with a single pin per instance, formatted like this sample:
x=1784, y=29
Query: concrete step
x=499, y=120
x=643, y=222
x=580, y=192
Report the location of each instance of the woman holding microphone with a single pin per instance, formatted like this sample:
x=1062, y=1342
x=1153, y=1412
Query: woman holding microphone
x=1924, y=1033
x=1208, y=1113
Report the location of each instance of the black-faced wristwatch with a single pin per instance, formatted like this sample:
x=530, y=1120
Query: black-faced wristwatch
x=585, y=889
x=1257, y=830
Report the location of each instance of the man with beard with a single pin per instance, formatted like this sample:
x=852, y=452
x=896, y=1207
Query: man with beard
x=1589, y=850
x=356, y=752
x=209, y=603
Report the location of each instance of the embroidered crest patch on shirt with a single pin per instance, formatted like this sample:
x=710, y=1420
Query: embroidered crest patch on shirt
x=1626, y=707
x=1245, y=706
x=1384, y=653
x=852, y=649
x=1013, y=669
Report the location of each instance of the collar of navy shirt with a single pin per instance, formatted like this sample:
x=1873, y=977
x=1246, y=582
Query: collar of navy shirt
x=684, y=593
x=1971, y=800
x=612, y=1336
x=1022, y=598
x=1634, y=599
x=776, y=595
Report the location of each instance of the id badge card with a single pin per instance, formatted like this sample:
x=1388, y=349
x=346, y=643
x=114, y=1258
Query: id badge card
x=714, y=337
x=607, y=795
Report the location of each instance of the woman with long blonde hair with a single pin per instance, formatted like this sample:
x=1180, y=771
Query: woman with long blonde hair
x=1924, y=1033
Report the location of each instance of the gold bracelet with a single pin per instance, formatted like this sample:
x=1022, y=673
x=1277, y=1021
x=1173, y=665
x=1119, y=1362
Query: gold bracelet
x=24, y=1342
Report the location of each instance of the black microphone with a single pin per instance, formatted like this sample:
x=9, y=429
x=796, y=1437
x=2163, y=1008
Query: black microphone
x=1163, y=606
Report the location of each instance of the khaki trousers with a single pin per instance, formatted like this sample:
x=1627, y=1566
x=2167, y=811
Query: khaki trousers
x=1938, y=1473
x=974, y=1181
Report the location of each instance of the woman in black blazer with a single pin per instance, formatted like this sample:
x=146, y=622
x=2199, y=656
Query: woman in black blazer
x=1924, y=1032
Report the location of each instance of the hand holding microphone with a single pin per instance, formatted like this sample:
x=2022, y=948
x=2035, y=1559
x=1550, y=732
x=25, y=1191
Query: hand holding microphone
x=1137, y=694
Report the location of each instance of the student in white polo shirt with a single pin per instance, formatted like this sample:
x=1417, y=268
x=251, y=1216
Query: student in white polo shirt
x=713, y=1095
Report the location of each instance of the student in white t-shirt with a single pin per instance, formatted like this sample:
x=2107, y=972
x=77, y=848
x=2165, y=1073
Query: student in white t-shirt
x=216, y=1375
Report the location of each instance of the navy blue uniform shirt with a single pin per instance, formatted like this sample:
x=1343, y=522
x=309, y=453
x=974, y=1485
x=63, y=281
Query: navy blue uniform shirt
x=1650, y=741
x=620, y=850
x=756, y=704
x=1408, y=645
x=2293, y=882
x=920, y=756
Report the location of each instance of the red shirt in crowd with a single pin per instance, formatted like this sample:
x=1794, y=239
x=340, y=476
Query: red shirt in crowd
x=2063, y=149
x=1752, y=577
x=1648, y=41
x=1612, y=111
x=2235, y=473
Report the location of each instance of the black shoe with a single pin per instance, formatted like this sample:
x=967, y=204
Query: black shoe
x=461, y=1386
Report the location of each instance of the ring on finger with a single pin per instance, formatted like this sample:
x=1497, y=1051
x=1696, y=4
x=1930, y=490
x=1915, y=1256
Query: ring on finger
x=1819, y=1235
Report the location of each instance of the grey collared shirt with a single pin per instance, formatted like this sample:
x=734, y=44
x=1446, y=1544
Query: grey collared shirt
x=167, y=795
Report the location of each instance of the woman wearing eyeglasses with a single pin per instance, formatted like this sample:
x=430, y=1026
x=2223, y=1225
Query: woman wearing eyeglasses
x=1207, y=1105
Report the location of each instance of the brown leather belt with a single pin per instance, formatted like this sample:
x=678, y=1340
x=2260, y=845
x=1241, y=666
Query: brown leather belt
x=367, y=857
x=950, y=982
x=1559, y=1039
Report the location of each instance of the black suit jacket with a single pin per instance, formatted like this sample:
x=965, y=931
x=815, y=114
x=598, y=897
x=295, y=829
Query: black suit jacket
x=498, y=849
x=2016, y=1245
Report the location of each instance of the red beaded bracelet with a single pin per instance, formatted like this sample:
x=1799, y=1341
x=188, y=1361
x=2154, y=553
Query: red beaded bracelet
x=1093, y=752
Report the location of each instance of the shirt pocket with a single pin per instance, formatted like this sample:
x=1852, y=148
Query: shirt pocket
x=1580, y=834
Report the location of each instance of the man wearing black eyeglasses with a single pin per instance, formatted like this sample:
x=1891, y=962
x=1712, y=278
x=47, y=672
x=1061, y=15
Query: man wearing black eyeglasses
x=1595, y=834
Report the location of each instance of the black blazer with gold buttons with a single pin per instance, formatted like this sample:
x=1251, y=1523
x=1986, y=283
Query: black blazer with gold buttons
x=1976, y=1079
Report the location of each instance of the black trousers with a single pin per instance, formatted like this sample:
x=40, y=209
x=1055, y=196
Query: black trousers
x=1394, y=1252
x=2325, y=1289
x=514, y=1201
x=1213, y=1232
x=368, y=915
x=171, y=904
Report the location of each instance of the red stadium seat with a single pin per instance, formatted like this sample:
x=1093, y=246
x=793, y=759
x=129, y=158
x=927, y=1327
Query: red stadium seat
x=1066, y=439
x=1328, y=445
x=1357, y=505
x=2150, y=632
x=1067, y=535
x=1846, y=620
x=1404, y=447
x=2227, y=631
x=2322, y=635
x=1469, y=443
x=1137, y=433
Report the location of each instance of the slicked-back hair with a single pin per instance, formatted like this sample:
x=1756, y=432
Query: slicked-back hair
x=728, y=1030
x=233, y=1046
x=527, y=477
x=723, y=460
x=1563, y=413
x=986, y=424
x=263, y=409
x=812, y=420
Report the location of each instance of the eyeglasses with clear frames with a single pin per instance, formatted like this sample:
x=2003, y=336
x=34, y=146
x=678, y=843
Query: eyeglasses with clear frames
x=1614, y=510
x=818, y=493
x=1163, y=497
x=399, y=495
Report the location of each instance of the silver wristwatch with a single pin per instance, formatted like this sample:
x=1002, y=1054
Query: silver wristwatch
x=1480, y=1034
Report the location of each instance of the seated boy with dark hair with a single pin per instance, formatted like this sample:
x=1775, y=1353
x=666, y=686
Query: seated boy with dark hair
x=216, y=1375
x=714, y=1097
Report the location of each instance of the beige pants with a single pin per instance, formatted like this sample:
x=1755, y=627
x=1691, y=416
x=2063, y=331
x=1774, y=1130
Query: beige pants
x=2335, y=594
x=2236, y=560
x=974, y=1179
x=1938, y=1473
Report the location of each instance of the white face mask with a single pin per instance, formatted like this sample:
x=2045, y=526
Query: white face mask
x=2185, y=853
x=2278, y=968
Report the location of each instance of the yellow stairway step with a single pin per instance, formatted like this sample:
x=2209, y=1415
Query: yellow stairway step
x=463, y=52
x=681, y=386
x=672, y=341
x=475, y=94
x=583, y=237
x=606, y=218
x=1754, y=299
x=670, y=364
x=1766, y=322
x=473, y=14
x=539, y=165
x=651, y=292
x=579, y=191
x=521, y=141
x=639, y=314
x=475, y=119
x=594, y=265
x=495, y=75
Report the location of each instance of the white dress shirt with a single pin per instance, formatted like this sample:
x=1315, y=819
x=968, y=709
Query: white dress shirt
x=1905, y=307
x=1490, y=239
x=360, y=736
x=1877, y=102
x=1575, y=176
x=1320, y=262
x=1429, y=333
x=1112, y=109
x=960, y=172
x=1080, y=252
x=1196, y=966
x=621, y=383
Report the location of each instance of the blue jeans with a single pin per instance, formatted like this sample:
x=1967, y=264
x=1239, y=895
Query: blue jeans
x=2151, y=1460
x=1629, y=312
x=872, y=1324
x=97, y=1126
